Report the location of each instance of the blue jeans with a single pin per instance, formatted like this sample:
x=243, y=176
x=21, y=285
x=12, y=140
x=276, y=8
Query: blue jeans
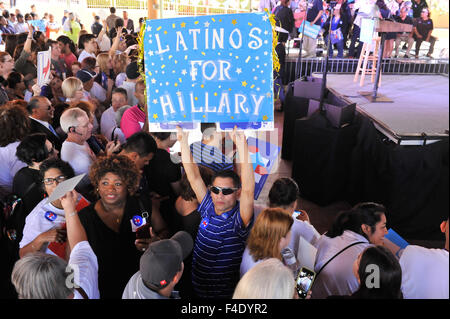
x=340, y=47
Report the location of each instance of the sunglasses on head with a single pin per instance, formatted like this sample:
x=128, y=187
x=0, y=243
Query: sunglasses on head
x=225, y=190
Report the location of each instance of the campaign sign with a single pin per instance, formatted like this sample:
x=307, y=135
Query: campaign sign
x=39, y=25
x=209, y=69
x=43, y=67
x=264, y=156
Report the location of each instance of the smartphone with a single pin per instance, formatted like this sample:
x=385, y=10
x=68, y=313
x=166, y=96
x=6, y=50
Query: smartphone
x=304, y=281
x=143, y=232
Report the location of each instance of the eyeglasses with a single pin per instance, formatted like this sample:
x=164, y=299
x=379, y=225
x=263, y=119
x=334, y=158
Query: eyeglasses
x=51, y=181
x=225, y=190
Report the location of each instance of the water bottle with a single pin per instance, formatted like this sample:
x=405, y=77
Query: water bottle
x=290, y=260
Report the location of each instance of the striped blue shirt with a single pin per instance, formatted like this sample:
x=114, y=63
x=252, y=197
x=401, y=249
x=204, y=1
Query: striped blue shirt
x=218, y=251
x=211, y=157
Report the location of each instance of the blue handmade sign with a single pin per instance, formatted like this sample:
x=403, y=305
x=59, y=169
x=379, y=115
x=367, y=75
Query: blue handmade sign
x=209, y=69
x=39, y=25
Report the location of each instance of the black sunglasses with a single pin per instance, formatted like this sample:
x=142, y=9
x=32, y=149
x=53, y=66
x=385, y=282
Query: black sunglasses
x=225, y=190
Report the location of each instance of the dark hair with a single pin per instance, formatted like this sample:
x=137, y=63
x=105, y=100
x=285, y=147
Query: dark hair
x=389, y=271
x=17, y=51
x=85, y=38
x=66, y=40
x=187, y=193
x=14, y=78
x=141, y=142
x=205, y=126
x=118, y=23
x=112, y=10
x=19, y=15
x=5, y=13
x=57, y=163
x=120, y=165
x=10, y=43
x=32, y=149
x=59, y=110
x=37, y=34
x=228, y=174
x=14, y=124
x=89, y=63
x=120, y=91
x=27, y=16
x=161, y=135
x=34, y=103
x=49, y=44
x=363, y=213
x=283, y=192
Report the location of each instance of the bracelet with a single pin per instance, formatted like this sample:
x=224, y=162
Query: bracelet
x=31, y=38
x=72, y=214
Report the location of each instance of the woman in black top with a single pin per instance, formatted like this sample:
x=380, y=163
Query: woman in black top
x=111, y=222
x=27, y=183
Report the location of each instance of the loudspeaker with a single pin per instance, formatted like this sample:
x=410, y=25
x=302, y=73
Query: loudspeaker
x=309, y=89
x=339, y=116
x=294, y=108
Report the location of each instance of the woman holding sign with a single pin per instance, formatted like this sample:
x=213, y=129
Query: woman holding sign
x=45, y=226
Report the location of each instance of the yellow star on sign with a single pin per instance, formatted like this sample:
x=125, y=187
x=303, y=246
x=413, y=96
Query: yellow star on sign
x=155, y=116
x=233, y=22
x=244, y=83
x=183, y=25
x=265, y=118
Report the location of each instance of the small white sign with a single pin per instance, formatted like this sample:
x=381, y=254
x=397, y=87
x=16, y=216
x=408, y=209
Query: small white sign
x=65, y=187
x=44, y=63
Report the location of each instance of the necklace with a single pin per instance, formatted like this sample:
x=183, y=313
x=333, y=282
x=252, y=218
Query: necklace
x=115, y=218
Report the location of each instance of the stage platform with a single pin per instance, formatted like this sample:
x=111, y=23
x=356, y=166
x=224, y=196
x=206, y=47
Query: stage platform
x=418, y=114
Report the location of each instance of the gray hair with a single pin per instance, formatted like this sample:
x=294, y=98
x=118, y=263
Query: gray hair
x=70, y=117
x=269, y=279
x=119, y=114
x=41, y=276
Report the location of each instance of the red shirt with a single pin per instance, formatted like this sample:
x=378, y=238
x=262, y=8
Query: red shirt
x=69, y=59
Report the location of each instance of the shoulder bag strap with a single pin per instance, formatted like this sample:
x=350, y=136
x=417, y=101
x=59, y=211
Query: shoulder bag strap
x=144, y=211
x=353, y=244
x=82, y=292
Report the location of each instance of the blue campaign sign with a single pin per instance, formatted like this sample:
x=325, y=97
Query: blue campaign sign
x=39, y=25
x=209, y=69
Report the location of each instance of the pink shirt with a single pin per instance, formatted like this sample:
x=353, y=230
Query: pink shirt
x=132, y=121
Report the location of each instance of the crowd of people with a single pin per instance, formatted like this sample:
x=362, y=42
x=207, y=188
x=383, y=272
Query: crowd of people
x=140, y=225
x=339, y=23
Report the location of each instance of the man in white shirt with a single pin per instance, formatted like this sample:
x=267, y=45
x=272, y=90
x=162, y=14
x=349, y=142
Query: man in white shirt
x=129, y=85
x=87, y=43
x=425, y=270
x=108, y=119
x=75, y=150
